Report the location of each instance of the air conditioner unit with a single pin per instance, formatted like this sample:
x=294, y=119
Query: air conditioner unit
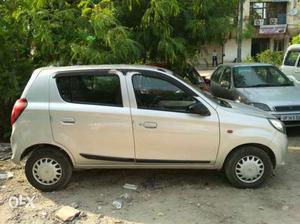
x=273, y=21
x=259, y=22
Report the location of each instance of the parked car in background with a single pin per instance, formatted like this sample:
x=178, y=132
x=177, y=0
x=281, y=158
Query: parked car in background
x=129, y=116
x=291, y=63
x=260, y=85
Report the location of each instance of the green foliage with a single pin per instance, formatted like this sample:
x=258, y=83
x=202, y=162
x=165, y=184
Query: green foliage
x=270, y=57
x=249, y=31
x=249, y=59
x=35, y=33
x=296, y=39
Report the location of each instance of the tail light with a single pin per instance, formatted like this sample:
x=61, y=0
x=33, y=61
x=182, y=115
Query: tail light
x=17, y=110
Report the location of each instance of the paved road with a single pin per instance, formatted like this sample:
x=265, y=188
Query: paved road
x=294, y=139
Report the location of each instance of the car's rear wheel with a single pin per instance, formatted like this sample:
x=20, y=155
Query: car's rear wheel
x=48, y=169
x=248, y=167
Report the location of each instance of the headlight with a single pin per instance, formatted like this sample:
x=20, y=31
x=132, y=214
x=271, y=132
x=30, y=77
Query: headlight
x=277, y=124
x=261, y=106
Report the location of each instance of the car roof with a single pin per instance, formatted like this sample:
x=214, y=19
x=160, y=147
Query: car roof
x=294, y=46
x=245, y=64
x=55, y=69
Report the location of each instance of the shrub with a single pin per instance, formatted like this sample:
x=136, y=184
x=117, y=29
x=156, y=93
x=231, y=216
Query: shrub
x=270, y=57
x=249, y=59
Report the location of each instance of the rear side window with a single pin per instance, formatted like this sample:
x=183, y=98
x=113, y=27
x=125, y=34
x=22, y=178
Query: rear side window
x=291, y=58
x=91, y=89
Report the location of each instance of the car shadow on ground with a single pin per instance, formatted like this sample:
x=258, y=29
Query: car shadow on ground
x=293, y=132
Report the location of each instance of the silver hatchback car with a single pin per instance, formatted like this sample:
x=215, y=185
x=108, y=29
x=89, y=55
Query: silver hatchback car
x=129, y=116
x=260, y=85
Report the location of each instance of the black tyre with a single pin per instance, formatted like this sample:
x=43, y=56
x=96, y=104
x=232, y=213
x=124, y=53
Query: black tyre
x=48, y=169
x=248, y=167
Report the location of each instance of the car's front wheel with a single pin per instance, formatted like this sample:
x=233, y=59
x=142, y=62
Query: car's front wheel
x=48, y=169
x=248, y=167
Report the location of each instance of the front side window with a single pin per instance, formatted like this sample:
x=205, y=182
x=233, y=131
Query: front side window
x=226, y=77
x=217, y=74
x=158, y=94
x=91, y=89
x=259, y=76
x=291, y=58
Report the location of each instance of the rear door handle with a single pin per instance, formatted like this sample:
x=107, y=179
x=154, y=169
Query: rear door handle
x=148, y=124
x=68, y=121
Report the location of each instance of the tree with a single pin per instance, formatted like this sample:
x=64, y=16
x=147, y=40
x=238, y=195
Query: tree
x=128, y=31
x=37, y=33
x=15, y=65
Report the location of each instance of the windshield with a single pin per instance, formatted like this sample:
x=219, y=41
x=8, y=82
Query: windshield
x=259, y=76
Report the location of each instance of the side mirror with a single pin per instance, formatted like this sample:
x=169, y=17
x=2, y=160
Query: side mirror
x=199, y=108
x=225, y=84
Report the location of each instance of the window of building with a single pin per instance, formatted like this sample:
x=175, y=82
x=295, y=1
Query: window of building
x=258, y=10
x=159, y=94
x=272, y=12
x=91, y=89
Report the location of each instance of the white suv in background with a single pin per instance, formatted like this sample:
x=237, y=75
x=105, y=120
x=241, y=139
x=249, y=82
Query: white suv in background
x=130, y=116
x=291, y=63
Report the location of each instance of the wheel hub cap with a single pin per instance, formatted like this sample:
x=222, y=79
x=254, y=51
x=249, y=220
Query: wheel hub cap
x=47, y=171
x=249, y=169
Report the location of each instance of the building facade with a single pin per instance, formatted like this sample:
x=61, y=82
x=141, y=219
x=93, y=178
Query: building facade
x=275, y=22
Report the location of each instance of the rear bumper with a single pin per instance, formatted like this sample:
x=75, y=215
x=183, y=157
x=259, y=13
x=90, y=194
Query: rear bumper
x=15, y=147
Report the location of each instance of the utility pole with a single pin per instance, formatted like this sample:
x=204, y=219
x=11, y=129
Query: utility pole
x=240, y=30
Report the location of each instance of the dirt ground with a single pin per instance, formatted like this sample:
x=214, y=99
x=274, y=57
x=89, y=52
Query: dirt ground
x=163, y=196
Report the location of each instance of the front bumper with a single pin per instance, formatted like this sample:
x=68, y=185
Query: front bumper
x=291, y=123
x=280, y=148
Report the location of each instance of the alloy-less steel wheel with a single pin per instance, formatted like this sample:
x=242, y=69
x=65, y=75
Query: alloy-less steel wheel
x=248, y=167
x=48, y=169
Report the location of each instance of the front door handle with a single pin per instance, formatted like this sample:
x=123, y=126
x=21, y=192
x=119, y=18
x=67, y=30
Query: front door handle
x=149, y=124
x=68, y=121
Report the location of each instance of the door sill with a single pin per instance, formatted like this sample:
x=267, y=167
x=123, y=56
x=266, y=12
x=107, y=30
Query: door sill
x=142, y=161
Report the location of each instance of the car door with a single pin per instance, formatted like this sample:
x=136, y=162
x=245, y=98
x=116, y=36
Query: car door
x=225, y=90
x=164, y=131
x=90, y=116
